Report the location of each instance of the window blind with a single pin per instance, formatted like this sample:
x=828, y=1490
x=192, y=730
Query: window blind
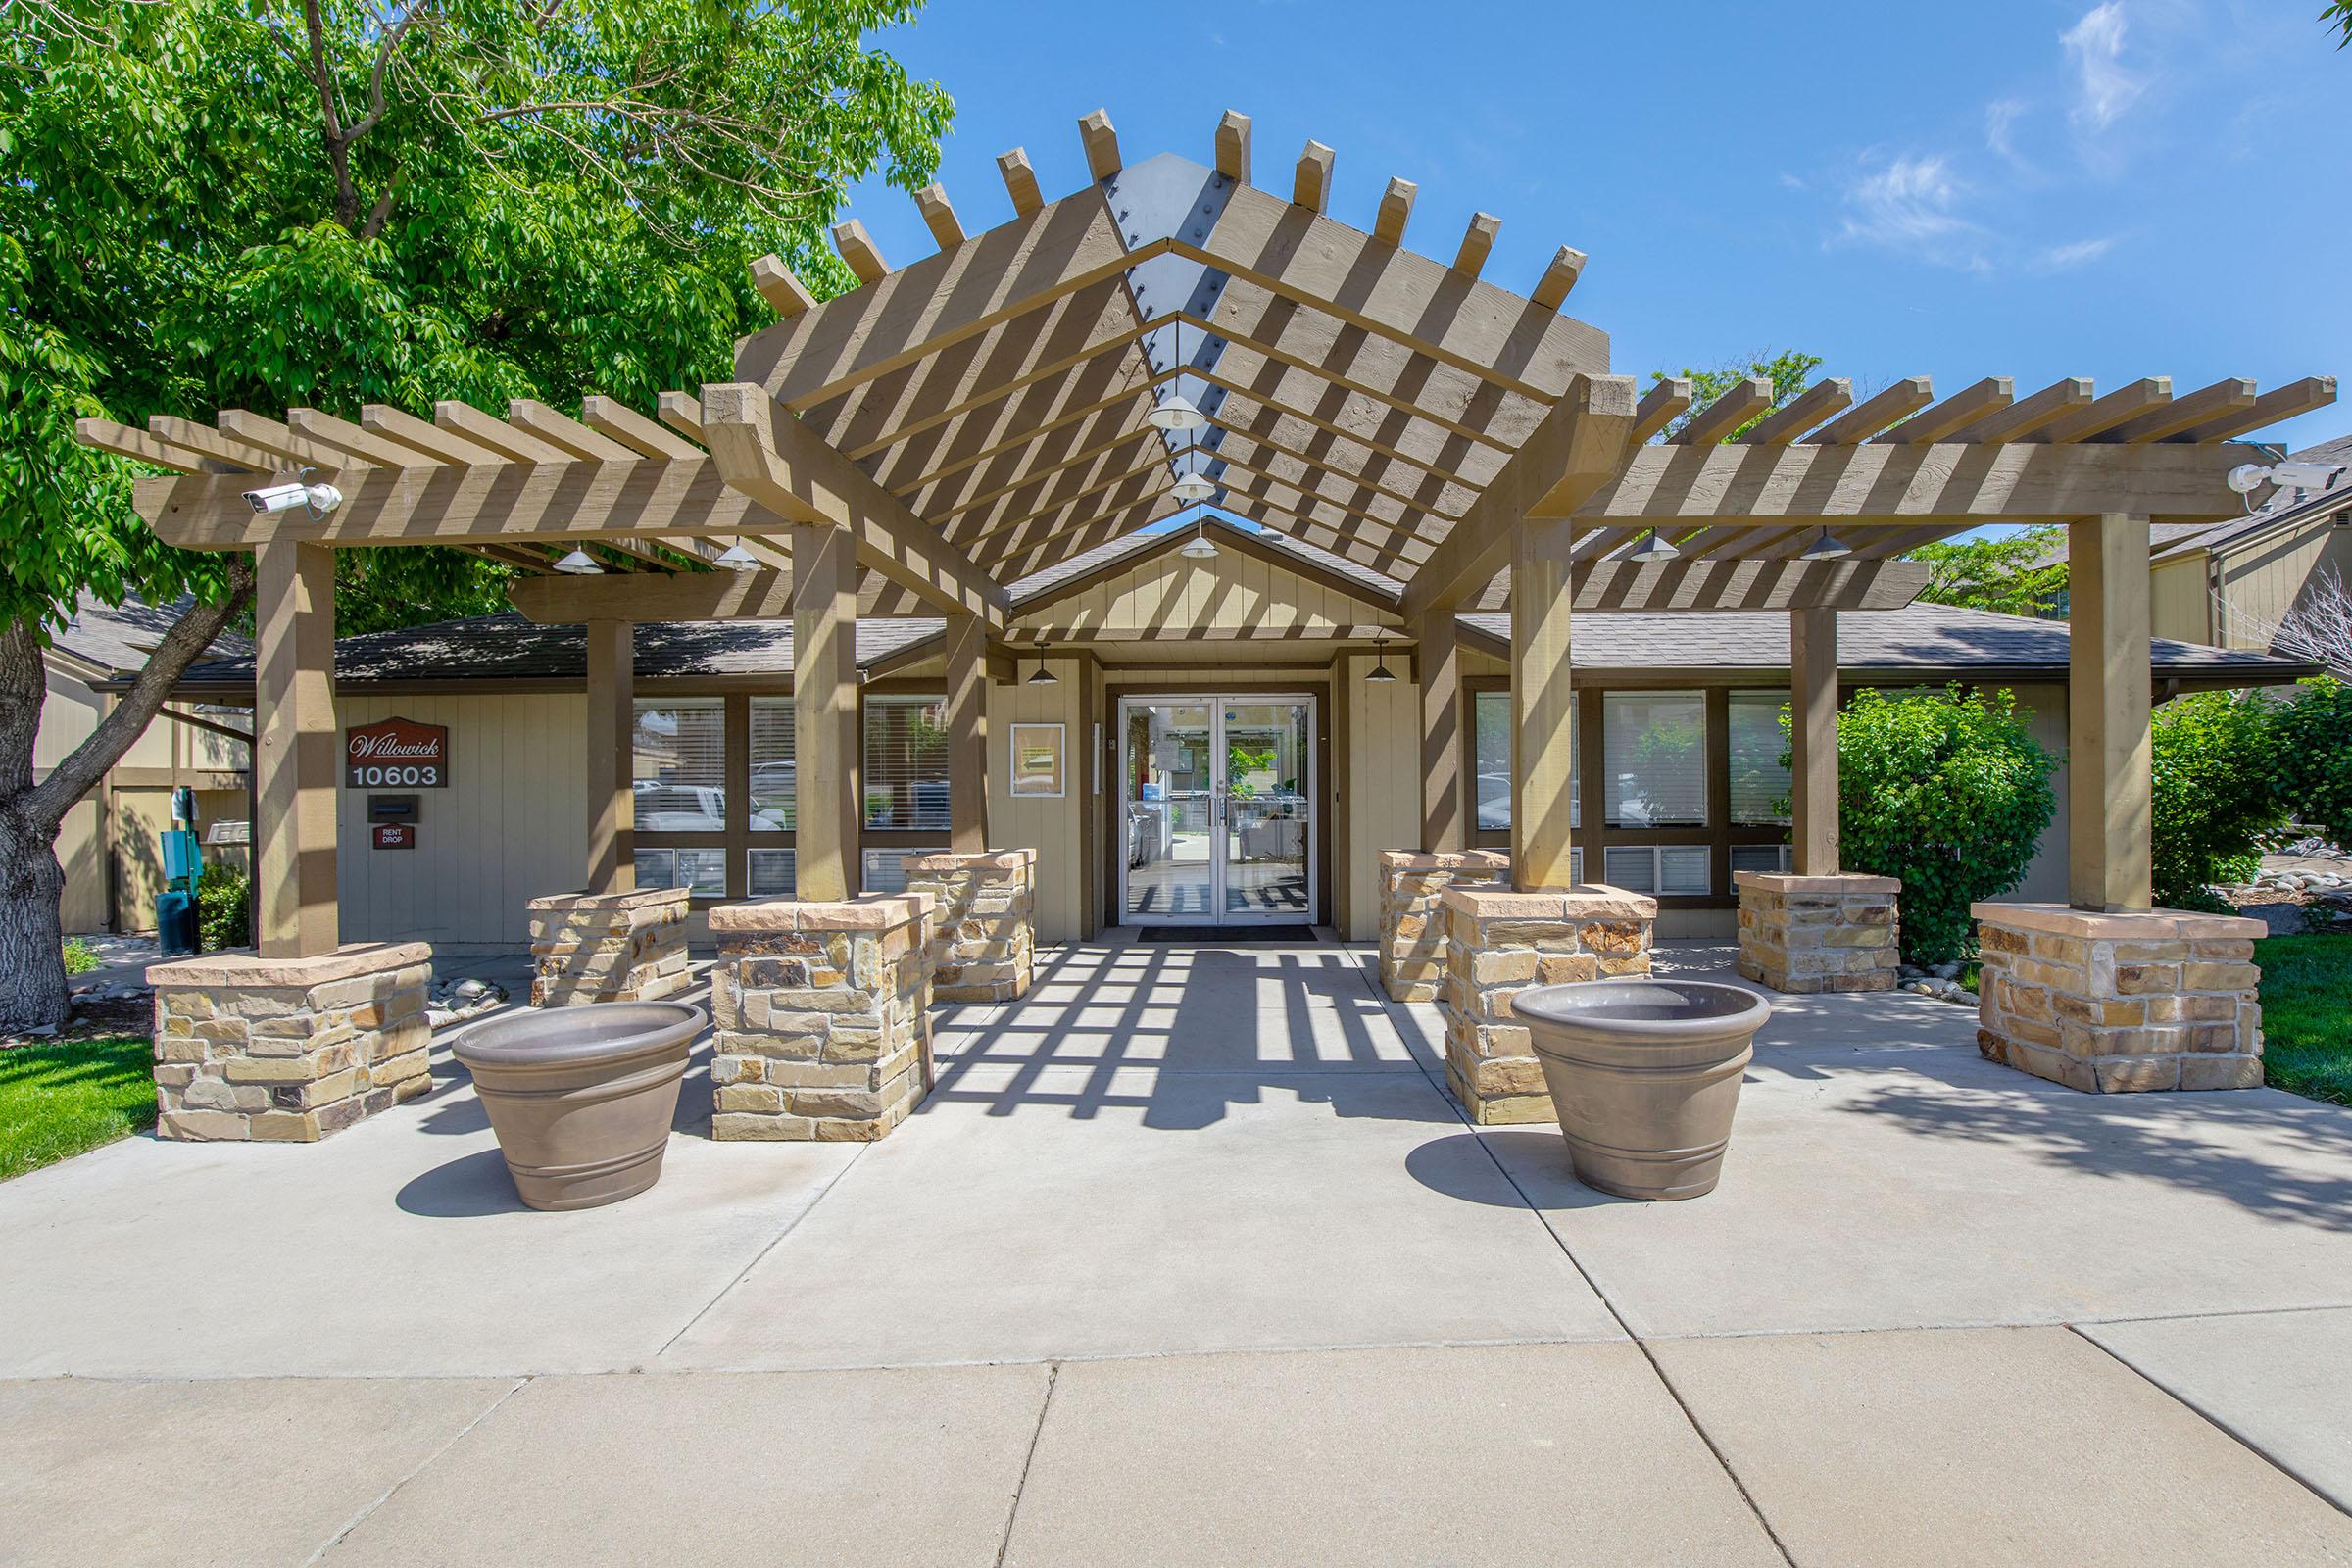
x=1656, y=748
x=1759, y=783
x=772, y=776
x=1491, y=775
x=678, y=762
x=907, y=763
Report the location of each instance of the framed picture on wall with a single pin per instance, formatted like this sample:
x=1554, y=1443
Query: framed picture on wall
x=1037, y=760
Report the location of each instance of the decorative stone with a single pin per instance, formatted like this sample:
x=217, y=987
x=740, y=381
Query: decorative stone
x=822, y=1012
x=1804, y=934
x=2120, y=1004
x=1498, y=943
x=1413, y=922
x=288, y=1050
x=608, y=947
x=984, y=921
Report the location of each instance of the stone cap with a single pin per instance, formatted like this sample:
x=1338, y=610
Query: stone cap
x=1445, y=861
x=636, y=898
x=2130, y=925
x=870, y=911
x=1587, y=901
x=243, y=966
x=1841, y=883
x=978, y=860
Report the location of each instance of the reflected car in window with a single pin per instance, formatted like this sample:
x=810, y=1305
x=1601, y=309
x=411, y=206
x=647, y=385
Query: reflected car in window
x=682, y=809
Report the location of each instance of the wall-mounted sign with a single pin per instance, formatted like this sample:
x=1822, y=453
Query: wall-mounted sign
x=397, y=754
x=395, y=835
x=1037, y=760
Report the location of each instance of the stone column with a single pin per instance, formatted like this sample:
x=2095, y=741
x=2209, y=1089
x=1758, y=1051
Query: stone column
x=288, y=1050
x=608, y=947
x=1412, y=914
x=295, y=751
x=983, y=921
x=1500, y=943
x=824, y=1017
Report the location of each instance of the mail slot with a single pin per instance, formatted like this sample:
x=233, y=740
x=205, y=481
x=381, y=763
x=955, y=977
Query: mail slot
x=392, y=808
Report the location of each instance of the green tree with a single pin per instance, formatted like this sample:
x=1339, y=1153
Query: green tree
x=2017, y=574
x=1788, y=372
x=2337, y=18
x=2215, y=795
x=263, y=203
x=1946, y=791
x=2313, y=755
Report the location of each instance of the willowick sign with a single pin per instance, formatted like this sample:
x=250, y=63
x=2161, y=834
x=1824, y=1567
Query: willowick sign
x=396, y=753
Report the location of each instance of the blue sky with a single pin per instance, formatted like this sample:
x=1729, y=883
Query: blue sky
x=2141, y=187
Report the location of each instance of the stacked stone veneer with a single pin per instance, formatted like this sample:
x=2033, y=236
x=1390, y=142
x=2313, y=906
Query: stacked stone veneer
x=1413, y=884
x=1804, y=934
x=983, y=921
x=608, y=947
x=822, y=1012
x=2119, y=1002
x=1498, y=943
x=288, y=1050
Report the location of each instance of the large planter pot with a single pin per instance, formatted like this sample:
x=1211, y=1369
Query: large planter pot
x=1645, y=1076
x=581, y=1098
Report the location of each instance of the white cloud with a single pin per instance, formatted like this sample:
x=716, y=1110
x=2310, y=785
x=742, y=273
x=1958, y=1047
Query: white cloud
x=2058, y=258
x=1909, y=202
x=1999, y=116
x=2107, y=86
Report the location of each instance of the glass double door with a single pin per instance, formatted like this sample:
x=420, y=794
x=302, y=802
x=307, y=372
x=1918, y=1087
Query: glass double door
x=1217, y=801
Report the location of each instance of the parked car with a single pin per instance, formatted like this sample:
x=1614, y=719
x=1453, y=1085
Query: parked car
x=682, y=809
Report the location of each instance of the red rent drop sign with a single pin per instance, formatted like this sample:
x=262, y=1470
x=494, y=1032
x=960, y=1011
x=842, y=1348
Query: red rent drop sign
x=396, y=754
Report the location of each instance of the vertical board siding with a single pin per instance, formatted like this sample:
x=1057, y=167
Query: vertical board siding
x=1051, y=827
x=1383, y=725
x=1213, y=600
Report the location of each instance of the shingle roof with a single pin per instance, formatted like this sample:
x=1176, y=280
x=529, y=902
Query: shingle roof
x=1917, y=637
x=118, y=638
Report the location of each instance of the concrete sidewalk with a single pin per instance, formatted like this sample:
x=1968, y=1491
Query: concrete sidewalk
x=1189, y=1260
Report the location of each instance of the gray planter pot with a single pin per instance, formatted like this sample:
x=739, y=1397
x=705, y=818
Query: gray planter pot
x=581, y=1098
x=1644, y=1074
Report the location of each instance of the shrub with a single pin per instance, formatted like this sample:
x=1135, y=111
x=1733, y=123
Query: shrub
x=223, y=908
x=2215, y=795
x=1948, y=792
x=80, y=957
x=2313, y=754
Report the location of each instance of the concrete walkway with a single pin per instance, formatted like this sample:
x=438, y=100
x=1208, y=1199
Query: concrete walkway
x=1189, y=1260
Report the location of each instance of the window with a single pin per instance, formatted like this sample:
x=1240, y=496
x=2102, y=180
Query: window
x=885, y=870
x=771, y=776
x=679, y=765
x=1653, y=746
x=705, y=872
x=907, y=763
x=1675, y=870
x=768, y=874
x=1760, y=857
x=1490, y=765
x=1759, y=783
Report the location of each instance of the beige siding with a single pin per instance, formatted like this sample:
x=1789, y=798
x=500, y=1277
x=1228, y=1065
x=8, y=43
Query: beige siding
x=2045, y=878
x=1231, y=596
x=1049, y=827
x=509, y=827
x=2178, y=607
x=1384, y=775
x=2266, y=577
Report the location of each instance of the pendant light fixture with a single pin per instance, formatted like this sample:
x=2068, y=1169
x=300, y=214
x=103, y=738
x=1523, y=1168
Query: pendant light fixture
x=1652, y=548
x=738, y=559
x=1381, y=674
x=579, y=564
x=1193, y=487
x=1044, y=677
x=1178, y=413
x=1199, y=546
x=1825, y=547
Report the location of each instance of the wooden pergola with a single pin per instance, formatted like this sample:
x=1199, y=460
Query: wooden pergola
x=958, y=425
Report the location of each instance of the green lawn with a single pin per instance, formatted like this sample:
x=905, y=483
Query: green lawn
x=58, y=1100
x=2307, y=1015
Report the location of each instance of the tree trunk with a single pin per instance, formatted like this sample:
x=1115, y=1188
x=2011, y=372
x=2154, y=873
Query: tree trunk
x=33, y=965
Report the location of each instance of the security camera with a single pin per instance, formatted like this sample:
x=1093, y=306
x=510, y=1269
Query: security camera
x=2248, y=477
x=321, y=498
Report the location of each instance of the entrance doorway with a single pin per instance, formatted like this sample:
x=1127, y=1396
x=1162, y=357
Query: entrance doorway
x=1217, y=801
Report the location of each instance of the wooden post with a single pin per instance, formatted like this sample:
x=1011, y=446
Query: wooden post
x=1543, y=709
x=295, y=752
x=612, y=724
x=967, y=735
x=1813, y=742
x=2110, y=786
x=825, y=711
x=1436, y=637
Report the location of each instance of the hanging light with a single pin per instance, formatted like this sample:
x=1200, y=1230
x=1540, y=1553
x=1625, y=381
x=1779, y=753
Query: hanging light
x=1381, y=674
x=1652, y=548
x=1178, y=413
x=1044, y=677
x=579, y=564
x=1199, y=546
x=1191, y=487
x=738, y=559
x=1825, y=547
